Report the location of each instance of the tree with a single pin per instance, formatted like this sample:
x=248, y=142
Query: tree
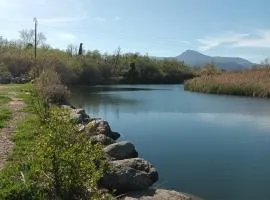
x=28, y=37
x=80, y=49
x=116, y=59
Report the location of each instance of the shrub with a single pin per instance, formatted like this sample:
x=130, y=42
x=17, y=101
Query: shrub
x=50, y=88
x=52, y=161
x=66, y=160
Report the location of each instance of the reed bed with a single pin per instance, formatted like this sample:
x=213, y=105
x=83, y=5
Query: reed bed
x=253, y=82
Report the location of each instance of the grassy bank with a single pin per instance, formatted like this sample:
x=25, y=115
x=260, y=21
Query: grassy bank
x=7, y=93
x=50, y=158
x=5, y=113
x=254, y=83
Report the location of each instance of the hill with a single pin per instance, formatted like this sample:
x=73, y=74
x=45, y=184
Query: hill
x=196, y=59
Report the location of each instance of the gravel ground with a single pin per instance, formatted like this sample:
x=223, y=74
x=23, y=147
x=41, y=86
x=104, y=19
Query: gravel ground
x=6, y=144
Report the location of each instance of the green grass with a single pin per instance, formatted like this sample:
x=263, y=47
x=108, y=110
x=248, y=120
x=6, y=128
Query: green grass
x=4, y=99
x=7, y=93
x=27, y=173
x=5, y=115
x=24, y=139
x=12, y=185
x=11, y=180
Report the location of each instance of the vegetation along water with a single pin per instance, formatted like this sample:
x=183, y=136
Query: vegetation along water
x=79, y=123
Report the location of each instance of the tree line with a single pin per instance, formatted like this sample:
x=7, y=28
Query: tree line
x=79, y=66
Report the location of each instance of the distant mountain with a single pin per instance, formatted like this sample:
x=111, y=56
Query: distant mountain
x=196, y=59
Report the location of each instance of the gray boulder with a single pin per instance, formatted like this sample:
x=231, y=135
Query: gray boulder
x=81, y=127
x=5, y=80
x=114, y=135
x=99, y=126
x=67, y=107
x=121, y=150
x=129, y=175
x=158, y=194
x=101, y=139
x=79, y=116
x=20, y=80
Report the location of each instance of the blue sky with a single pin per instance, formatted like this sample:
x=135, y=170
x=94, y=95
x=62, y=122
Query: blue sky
x=157, y=27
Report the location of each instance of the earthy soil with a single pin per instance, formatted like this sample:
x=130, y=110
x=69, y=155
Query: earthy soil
x=15, y=105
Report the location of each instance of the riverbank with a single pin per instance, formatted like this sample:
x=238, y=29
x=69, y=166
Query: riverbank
x=253, y=83
x=128, y=172
x=130, y=176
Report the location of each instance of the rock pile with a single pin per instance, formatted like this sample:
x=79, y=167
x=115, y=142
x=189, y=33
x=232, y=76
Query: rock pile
x=128, y=172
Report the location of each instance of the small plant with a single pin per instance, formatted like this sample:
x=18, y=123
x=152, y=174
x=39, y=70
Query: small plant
x=50, y=87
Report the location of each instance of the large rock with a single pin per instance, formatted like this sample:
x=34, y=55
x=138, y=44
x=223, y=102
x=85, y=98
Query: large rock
x=129, y=175
x=121, y=150
x=101, y=139
x=4, y=80
x=66, y=107
x=158, y=194
x=79, y=116
x=99, y=126
x=20, y=80
x=114, y=135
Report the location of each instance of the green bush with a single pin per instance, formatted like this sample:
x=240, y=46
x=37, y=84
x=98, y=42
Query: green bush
x=50, y=88
x=66, y=160
x=51, y=159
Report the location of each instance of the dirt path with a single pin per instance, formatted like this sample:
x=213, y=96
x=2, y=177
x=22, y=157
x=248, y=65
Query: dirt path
x=6, y=144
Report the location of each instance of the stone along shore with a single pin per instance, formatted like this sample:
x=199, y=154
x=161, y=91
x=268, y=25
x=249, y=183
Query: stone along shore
x=130, y=175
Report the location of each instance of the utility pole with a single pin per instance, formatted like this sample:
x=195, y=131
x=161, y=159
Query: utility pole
x=36, y=71
x=36, y=22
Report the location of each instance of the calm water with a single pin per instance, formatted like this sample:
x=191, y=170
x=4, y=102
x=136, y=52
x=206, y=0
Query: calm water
x=217, y=147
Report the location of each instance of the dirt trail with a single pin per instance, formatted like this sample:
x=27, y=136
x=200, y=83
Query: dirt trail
x=16, y=105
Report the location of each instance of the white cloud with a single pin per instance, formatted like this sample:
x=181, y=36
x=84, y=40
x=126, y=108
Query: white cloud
x=58, y=20
x=259, y=38
x=227, y=38
x=52, y=16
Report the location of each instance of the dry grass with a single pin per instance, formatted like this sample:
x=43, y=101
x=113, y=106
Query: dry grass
x=255, y=83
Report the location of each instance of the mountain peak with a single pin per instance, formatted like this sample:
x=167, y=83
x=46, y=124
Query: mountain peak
x=190, y=51
x=197, y=59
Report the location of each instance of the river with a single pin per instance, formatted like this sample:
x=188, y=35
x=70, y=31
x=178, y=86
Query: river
x=214, y=146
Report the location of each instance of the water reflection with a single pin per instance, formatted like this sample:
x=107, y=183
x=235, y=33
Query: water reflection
x=214, y=146
x=231, y=119
x=162, y=99
x=101, y=102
